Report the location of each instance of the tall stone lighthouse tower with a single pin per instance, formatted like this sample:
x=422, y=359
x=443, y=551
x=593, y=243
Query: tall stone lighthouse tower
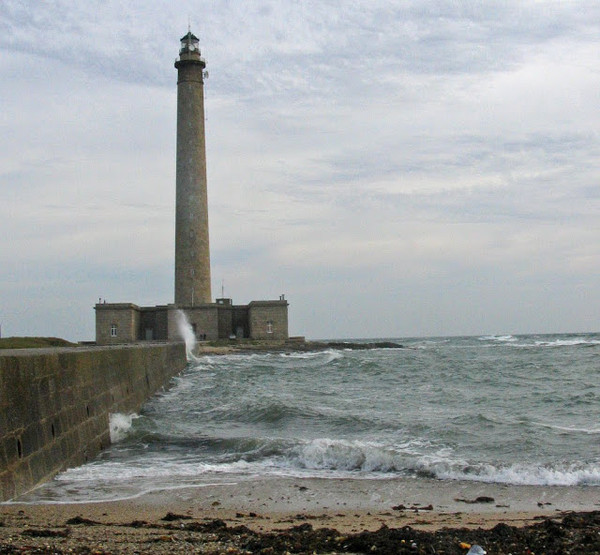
x=125, y=322
x=192, y=254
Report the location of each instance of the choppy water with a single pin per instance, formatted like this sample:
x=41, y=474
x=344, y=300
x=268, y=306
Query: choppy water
x=515, y=410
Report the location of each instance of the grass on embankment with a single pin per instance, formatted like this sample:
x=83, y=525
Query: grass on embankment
x=33, y=342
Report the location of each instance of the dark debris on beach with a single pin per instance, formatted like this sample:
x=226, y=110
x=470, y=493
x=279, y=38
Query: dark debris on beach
x=571, y=534
x=576, y=534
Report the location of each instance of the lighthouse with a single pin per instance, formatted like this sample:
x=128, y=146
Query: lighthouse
x=192, y=252
x=126, y=322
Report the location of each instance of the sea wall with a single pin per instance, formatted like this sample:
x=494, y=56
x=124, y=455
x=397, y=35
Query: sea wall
x=55, y=404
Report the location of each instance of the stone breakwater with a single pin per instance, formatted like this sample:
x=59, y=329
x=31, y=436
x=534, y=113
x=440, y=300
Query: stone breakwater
x=223, y=347
x=55, y=404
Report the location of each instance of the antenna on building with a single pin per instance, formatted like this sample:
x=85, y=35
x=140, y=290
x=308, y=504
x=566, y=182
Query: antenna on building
x=222, y=288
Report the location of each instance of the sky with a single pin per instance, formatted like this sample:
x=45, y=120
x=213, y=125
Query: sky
x=395, y=168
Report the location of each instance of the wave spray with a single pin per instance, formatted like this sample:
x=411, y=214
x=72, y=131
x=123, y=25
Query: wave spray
x=187, y=334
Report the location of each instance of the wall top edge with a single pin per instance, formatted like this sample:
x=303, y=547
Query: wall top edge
x=85, y=348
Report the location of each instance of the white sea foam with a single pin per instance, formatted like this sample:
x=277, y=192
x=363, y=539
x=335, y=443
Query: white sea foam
x=532, y=341
x=157, y=467
x=568, y=474
x=328, y=355
x=328, y=458
x=499, y=338
x=571, y=342
x=332, y=355
x=45, y=495
x=119, y=425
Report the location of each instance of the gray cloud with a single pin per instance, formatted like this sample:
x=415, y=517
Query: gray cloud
x=396, y=168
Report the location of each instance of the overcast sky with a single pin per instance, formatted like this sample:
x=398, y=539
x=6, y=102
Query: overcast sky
x=396, y=168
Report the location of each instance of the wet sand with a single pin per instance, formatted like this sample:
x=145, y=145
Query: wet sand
x=208, y=518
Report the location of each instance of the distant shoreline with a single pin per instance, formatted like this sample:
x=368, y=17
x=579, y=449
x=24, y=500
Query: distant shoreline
x=290, y=346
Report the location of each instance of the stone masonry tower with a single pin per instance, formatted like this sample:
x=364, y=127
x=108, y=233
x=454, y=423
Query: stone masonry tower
x=118, y=323
x=192, y=254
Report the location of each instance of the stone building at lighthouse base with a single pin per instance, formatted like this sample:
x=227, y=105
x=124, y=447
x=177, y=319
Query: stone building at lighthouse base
x=127, y=322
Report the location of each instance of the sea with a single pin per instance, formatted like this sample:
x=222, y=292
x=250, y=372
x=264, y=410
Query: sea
x=506, y=409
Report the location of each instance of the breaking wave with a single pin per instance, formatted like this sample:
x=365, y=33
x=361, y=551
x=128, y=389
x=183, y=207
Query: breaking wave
x=120, y=425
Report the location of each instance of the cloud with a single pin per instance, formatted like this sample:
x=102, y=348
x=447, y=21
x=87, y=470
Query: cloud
x=394, y=167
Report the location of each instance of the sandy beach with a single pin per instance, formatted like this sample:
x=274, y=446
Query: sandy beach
x=230, y=517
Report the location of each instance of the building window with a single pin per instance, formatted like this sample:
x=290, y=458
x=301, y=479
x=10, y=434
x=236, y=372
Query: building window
x=113, y=330
x=269, y=327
